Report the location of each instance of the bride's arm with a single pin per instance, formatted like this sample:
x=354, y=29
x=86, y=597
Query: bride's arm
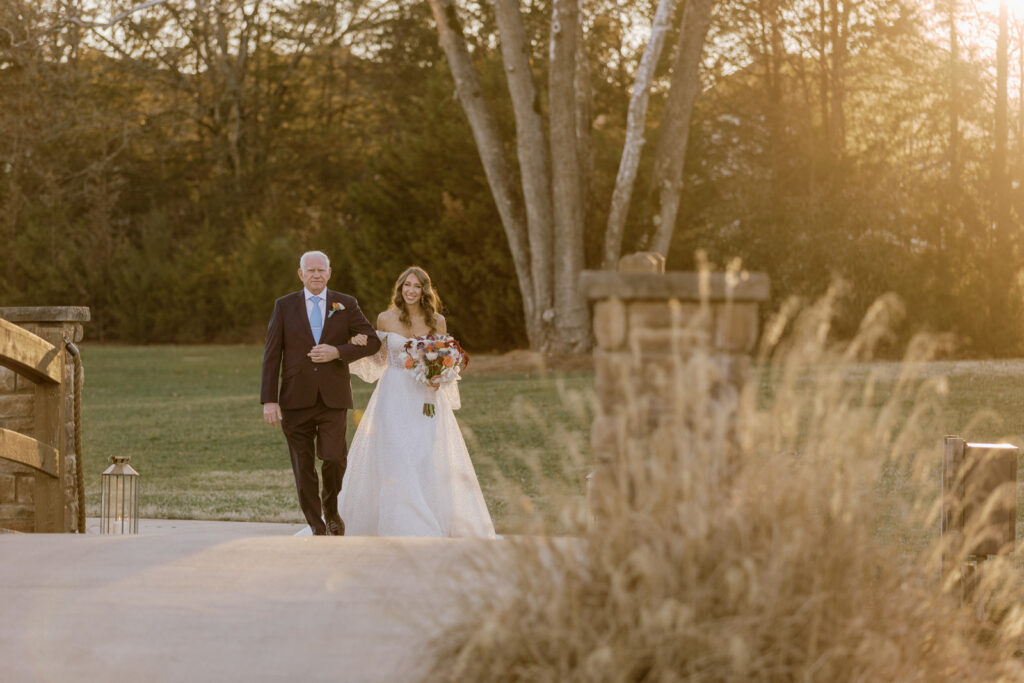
x=370, y=368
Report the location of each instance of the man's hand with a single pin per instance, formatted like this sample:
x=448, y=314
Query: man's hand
x=358, y=340
x=271, y=413
x=324, y=353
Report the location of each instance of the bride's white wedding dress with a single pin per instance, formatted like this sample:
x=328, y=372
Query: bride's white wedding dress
x=409, y=474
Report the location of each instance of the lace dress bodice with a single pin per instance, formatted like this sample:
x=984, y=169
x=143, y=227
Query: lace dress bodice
x=392, y=346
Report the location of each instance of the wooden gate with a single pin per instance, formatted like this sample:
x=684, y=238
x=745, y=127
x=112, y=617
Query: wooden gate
x=43, y=364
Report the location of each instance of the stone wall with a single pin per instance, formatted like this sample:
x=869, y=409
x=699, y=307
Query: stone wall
x=649, y=326
x=17, y=482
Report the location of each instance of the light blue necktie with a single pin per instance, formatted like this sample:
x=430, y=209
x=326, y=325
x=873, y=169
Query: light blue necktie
x=316, y=319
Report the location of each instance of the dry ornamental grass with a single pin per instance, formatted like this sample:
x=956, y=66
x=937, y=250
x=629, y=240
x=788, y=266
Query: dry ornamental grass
x=766, y=535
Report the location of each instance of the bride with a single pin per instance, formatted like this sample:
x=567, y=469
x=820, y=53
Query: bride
x=409, y=474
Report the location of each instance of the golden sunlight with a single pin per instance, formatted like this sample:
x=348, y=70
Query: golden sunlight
x=1014, y=7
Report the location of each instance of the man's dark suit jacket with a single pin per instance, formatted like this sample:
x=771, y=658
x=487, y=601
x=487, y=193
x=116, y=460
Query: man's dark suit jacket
x=289, y=339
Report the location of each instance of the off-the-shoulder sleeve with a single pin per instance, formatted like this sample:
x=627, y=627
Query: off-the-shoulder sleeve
x=370, y=368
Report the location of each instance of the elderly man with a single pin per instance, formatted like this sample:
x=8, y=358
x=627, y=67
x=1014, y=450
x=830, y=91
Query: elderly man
x=312, y=337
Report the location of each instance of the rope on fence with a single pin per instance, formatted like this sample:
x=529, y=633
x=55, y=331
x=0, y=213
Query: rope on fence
x=79, y=465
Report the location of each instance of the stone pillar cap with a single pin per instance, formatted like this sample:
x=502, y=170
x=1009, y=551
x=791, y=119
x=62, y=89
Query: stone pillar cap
x=45, y=314
x=642, y=262
x=683, y=285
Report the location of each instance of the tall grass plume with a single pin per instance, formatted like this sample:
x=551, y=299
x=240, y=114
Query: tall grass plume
x=784, y=531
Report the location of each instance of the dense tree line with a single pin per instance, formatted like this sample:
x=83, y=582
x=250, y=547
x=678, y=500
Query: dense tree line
x=166, y=166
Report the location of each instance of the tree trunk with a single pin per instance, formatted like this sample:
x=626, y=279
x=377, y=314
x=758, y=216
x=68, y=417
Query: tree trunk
x=1000, y=276
x=1020, y=90
x=775, y=50
x=999, y=188
x=532, y=150
x=953, y=196
x=547, y=233
x=674, y=136
x=838, y=19
x=230, y=75
x=826, y=86
x=492, y=154
x=571, y=321
x=584, y=122
x=635, y=125
x=1019, y=203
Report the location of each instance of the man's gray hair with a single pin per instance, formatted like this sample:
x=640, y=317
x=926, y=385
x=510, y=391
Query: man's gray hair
x=305, y=257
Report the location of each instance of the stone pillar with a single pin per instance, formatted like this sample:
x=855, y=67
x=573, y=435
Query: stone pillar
x=54, y=324
x=650, y=326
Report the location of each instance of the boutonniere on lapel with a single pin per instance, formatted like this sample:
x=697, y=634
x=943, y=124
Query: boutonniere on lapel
x=335, y=307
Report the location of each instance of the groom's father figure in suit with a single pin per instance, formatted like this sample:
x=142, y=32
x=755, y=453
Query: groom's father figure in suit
x=312, y=337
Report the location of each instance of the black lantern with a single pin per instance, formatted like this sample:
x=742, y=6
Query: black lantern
x=119, y=513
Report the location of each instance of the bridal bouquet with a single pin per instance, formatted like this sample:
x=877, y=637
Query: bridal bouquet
x=434, y=360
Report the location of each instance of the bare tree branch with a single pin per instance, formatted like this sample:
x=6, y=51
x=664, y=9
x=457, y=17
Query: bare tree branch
x=115, y=19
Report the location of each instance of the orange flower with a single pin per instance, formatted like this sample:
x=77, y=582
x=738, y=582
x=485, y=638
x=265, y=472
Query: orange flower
x=448, y=361
x=409, y=363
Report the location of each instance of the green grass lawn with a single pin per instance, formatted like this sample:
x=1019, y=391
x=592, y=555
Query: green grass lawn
x=191, y=420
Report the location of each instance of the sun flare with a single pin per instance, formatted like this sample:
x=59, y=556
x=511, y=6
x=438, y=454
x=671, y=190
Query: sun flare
x=1014, y=7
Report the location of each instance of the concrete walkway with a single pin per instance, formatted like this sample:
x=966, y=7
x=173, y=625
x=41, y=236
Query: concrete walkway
x=223, y=601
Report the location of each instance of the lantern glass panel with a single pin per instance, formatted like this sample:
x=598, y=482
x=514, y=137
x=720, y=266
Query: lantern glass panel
x=120, y=504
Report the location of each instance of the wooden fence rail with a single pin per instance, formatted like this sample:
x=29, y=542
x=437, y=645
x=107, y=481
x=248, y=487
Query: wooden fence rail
x=43, y=364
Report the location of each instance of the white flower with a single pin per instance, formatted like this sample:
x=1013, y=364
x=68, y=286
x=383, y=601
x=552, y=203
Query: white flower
x=431, y=355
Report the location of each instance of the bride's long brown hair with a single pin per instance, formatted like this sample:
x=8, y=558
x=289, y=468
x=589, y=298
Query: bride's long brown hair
x=430, y=302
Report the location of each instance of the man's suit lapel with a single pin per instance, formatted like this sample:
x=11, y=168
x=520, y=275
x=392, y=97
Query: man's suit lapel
x=300, y=302
x=332, y=297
